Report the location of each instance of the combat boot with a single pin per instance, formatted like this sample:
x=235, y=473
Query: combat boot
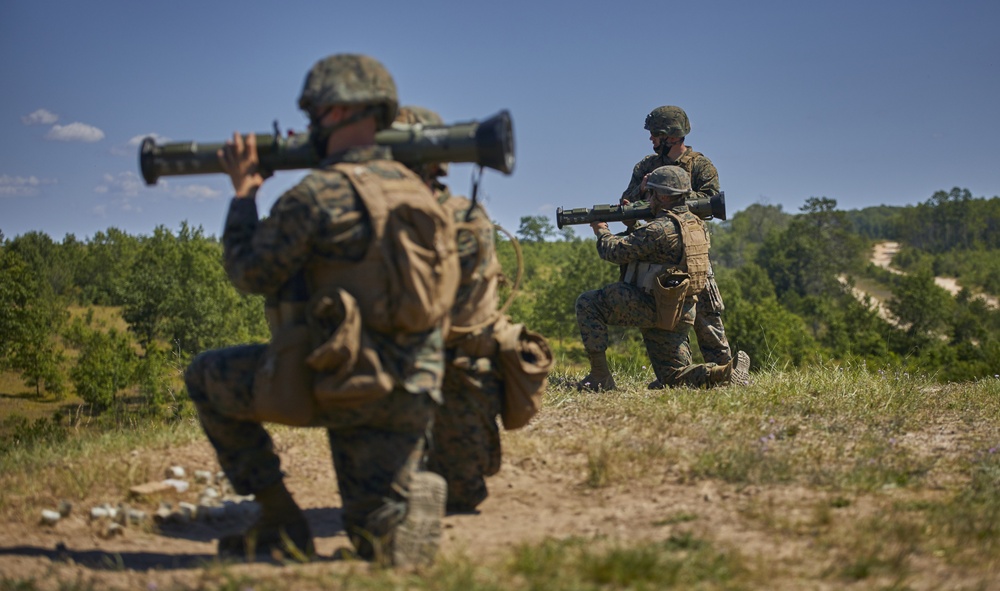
x=281, y=527
x=600, y=378
x=741, y=369
x=736, y=372
x=417, y=539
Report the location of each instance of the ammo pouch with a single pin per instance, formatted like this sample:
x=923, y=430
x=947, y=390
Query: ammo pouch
x=283, y=384
x=296, y=382
x=525, y=361
x=348, y=369
x=670, y=290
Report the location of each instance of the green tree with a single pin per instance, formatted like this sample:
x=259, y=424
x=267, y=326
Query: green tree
x=31, y=318
x=535, y=228
x=153, y=374
x=106, y=264
x=578, y=269
x=818, y=245
x=178, y=292
x=105, y=367
x=758, y=324
x=920, y=305
x=736, y=241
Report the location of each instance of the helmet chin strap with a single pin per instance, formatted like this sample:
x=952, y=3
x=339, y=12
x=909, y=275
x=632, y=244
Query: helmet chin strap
x=665, y=146
x=319, y=135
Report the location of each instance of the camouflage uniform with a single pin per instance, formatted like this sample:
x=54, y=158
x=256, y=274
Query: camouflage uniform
x=708, y=327
x=465, y=447
x=622, y=304
x=377, y=447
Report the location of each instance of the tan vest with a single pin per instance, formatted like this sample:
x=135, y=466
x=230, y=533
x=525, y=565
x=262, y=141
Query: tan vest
x=407, y=280
x=694, y=238
x=478, y=292
x=694, y=258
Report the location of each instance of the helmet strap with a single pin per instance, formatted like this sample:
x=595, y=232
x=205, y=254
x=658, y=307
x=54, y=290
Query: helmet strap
x=666, y=145
x=319, y=134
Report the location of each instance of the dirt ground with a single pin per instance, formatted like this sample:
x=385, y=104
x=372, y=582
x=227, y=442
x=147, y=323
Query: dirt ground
x=532, y=498
x=536, y=495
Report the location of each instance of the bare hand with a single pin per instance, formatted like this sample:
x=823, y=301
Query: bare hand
x=625, y=202
x=239, y=160
x=597, y=227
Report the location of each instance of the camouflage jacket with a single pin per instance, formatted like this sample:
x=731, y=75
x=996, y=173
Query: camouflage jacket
x=704, y=176
x=659, y=241
x=321, y=216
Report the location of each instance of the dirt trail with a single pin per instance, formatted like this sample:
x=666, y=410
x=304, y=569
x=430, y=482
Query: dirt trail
x=534, y=497
x=540, y=493
x=882, y=255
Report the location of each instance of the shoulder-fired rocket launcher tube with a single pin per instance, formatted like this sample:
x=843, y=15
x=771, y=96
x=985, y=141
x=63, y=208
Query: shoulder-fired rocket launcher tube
x=489, y=143
x=704, y=207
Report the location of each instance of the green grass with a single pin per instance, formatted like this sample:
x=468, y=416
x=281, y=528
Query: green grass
x=865, y=479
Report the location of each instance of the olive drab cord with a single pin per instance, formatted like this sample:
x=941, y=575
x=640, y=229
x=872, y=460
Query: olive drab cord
x=477, y=177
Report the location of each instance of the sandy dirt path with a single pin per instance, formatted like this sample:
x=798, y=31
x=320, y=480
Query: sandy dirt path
x=882, y=255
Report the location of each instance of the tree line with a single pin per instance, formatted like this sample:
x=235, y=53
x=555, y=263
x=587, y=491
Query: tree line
x=778, y=273
x=170, y=289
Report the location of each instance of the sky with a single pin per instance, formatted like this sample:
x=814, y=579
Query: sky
x=867, y=102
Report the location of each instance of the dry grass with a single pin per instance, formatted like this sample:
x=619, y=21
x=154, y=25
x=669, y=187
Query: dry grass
x=826, y=478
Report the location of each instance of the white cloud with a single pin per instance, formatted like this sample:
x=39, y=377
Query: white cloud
x=75, y=132
x=120, y=204
x=123, y=183
x=197, y=192
x=15, y=186
x=40, y=117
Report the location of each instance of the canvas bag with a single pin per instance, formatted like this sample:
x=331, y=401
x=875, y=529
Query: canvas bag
x=525, y=361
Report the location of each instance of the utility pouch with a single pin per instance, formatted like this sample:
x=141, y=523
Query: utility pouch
x=283, y=384
x=525, y=361
x=670, y=290
x=349, y=370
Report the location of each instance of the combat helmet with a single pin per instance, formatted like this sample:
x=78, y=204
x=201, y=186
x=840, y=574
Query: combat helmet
x=350, y=79
x=669, y=180
x=668, y=120
x=414, y=115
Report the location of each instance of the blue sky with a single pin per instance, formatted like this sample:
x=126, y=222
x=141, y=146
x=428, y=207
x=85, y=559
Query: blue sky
x=866, y=102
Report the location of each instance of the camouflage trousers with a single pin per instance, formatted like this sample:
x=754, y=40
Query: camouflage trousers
x=621, y=304
x=465, y=445
x=375, y=448
x=708, y=328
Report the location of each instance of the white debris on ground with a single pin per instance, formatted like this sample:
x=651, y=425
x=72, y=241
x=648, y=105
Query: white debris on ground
x=216, y=502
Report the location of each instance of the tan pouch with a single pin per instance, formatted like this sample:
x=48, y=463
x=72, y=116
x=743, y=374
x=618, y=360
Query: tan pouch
x=349, y=371
x=283, y=384
x=670, y=291
x=525, y=362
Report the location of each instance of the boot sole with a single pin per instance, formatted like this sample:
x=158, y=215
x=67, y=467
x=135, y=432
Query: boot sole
x=741, y=370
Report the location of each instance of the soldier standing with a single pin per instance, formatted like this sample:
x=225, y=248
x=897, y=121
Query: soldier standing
x=668, y=126
x=673, y=244
x=325, y=236
x=465, y=447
